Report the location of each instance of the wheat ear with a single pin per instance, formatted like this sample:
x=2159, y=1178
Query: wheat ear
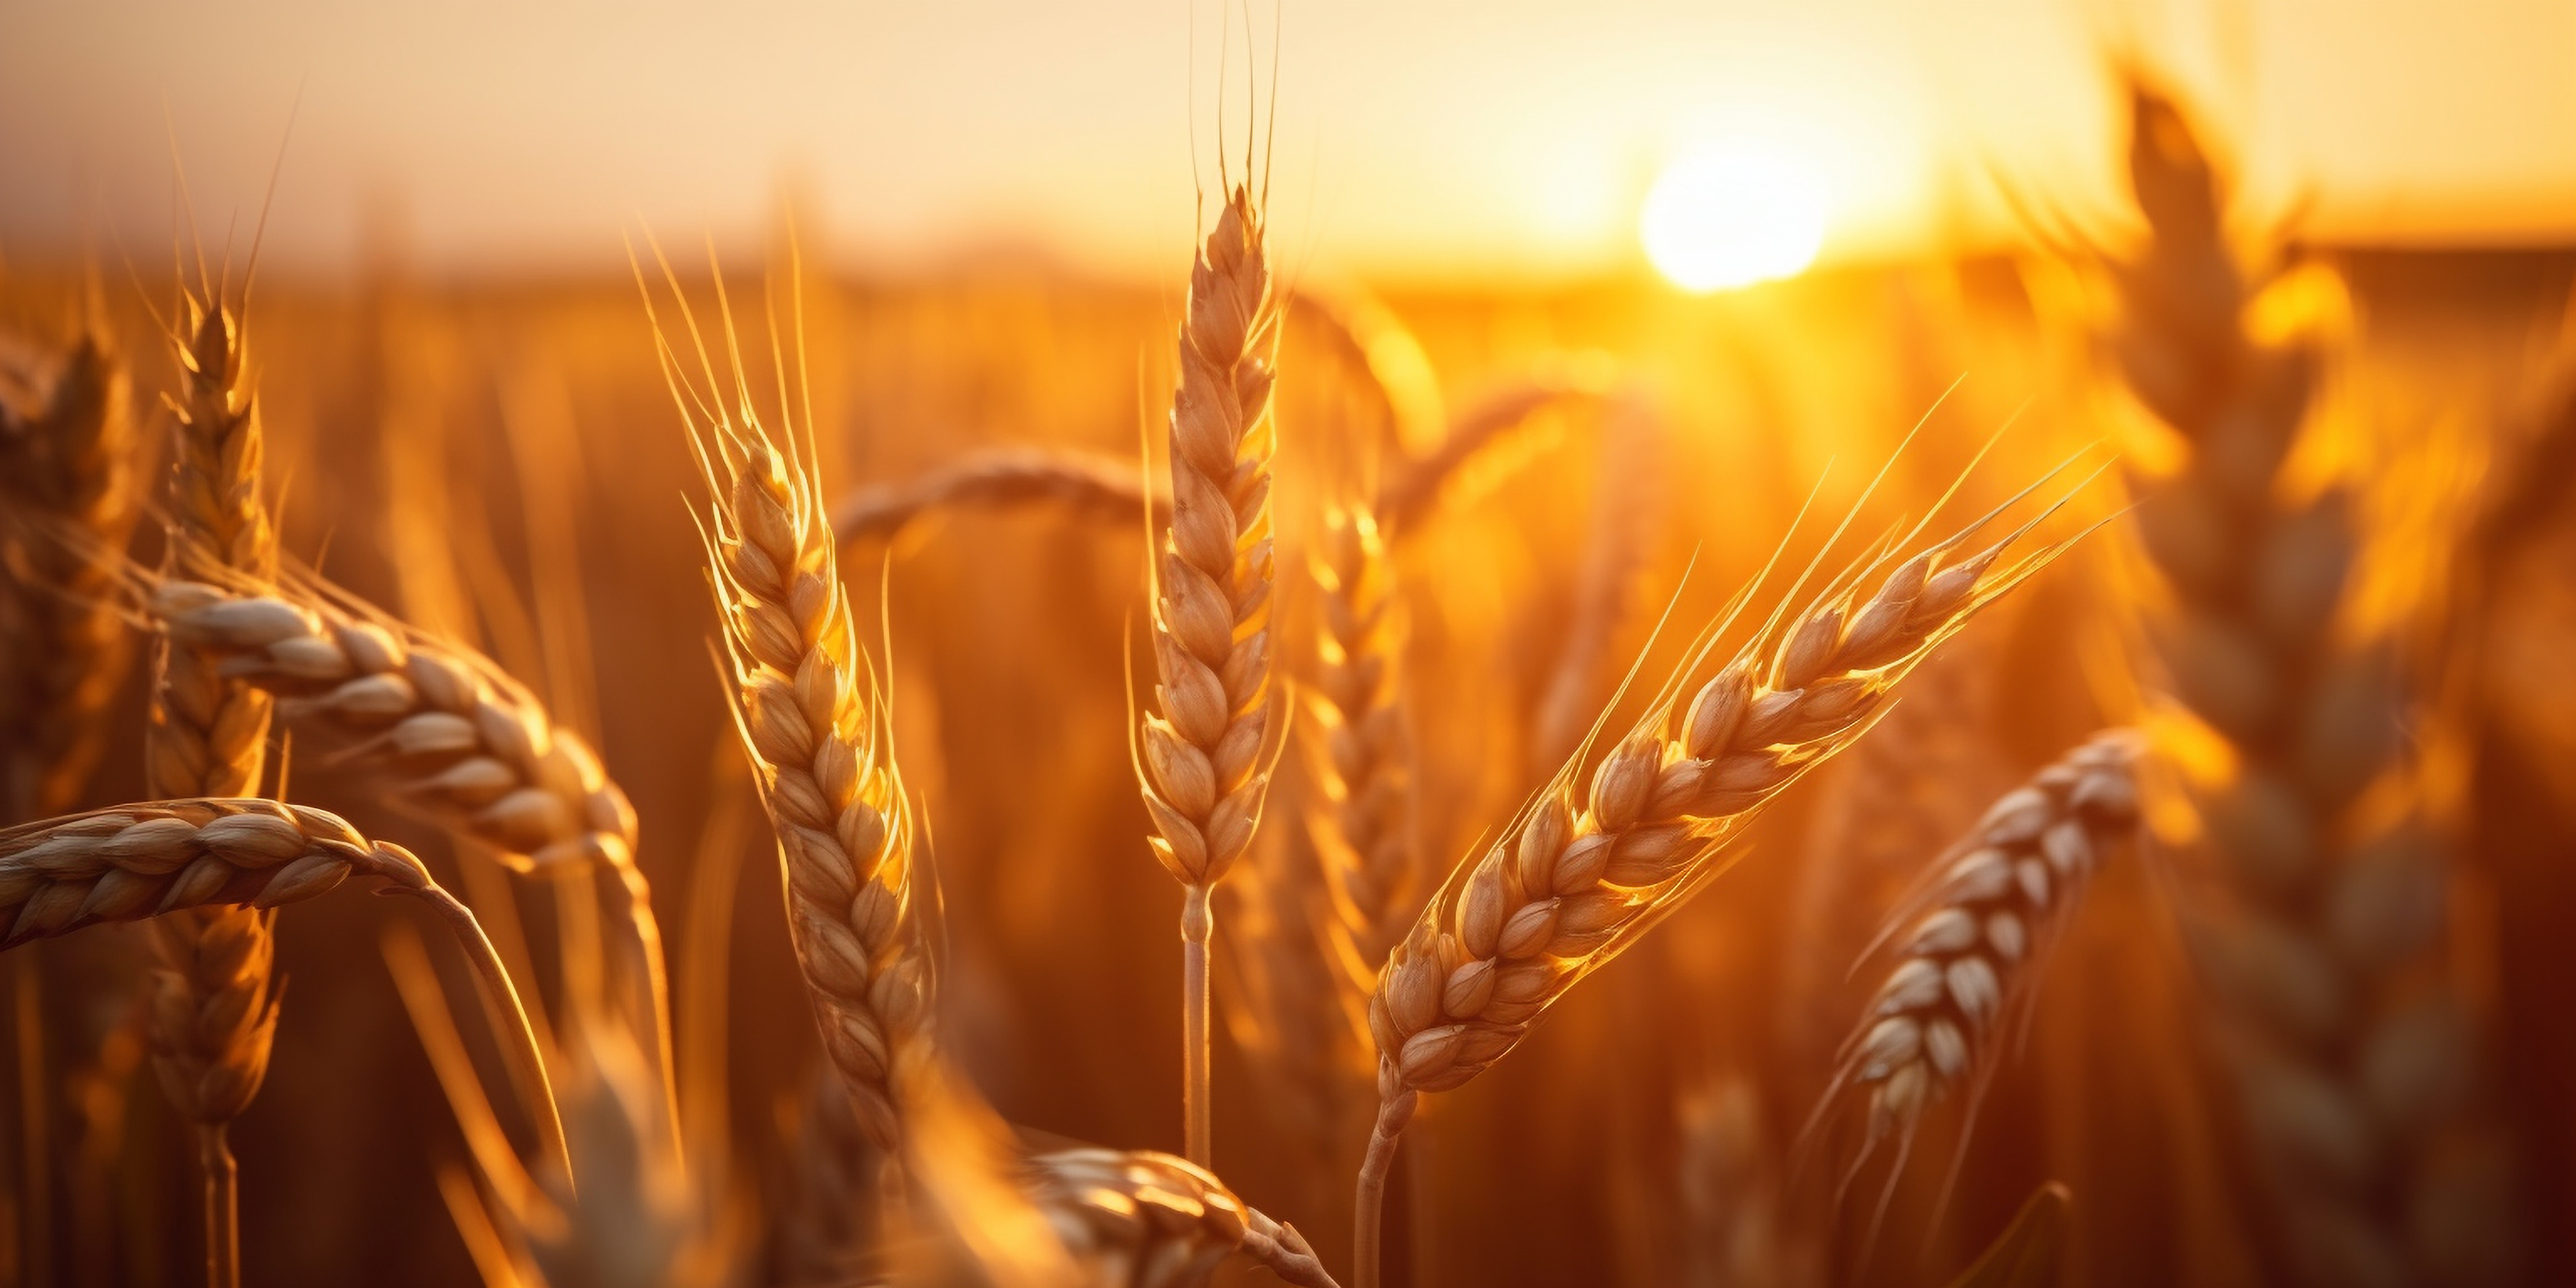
x=1202, y=770
x=803, y=695
x=1581, y=874
x=458, y=740
x=163, y=860
x=2338, y=920
x=1360, y=749
x=66, y=461
x=1147, y=1220
x=207, y=737
x=1969, y=948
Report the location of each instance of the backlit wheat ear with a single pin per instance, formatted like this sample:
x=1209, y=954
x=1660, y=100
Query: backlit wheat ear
x=1584, y=871
x=63, y=457
x=207, y=737
x=2260, y=574
x=1147, y=1220
x=459, y=740
x=804, y=699
x=1969, y=950
x=1361, y=753
x=163, y=860
x=1202, y=748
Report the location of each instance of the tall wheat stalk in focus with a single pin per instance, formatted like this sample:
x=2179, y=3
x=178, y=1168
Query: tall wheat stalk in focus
x=214, y=1009
x=1201, y=749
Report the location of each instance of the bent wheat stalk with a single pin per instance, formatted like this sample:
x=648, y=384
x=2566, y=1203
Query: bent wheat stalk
x=459, y=740
x=1979, y=932
x=1094, y=485
x=164, y=859
x=1201, y=765
x=1582, y=873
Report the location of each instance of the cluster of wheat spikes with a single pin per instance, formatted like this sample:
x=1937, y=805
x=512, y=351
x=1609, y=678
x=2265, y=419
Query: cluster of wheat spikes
x=2346, y=1064
x=1429, y=988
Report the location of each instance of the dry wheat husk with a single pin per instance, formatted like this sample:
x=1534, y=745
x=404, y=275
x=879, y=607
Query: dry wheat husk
x=2351, y=1051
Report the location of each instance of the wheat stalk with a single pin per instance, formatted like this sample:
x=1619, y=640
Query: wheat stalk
x=1105, y=488
x=162, y=860
x=1201, y=766
x=1091, y=484
x=65, y=459
x=2315, y=970
x=1147, y=1220
x=207, y=738
x=1360, y=750
x=1580, y=874
x=803, y=695
x=1968, y=949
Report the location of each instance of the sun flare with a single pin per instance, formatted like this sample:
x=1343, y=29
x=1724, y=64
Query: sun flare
x=1729, y=217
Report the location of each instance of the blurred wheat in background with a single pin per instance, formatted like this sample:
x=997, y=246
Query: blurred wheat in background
x=2041, y=694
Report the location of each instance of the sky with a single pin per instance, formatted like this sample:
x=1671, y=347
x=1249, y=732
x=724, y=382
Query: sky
x=1431, y=140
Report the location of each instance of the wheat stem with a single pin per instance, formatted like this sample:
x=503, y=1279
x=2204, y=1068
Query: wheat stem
x=1197, y=925
x=1367, y=1220
x=1202, y=764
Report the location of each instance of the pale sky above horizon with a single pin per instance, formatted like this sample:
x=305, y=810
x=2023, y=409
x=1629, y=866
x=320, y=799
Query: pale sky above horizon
x=1414, y=141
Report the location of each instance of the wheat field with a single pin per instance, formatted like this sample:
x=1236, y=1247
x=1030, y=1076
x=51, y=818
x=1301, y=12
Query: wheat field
x=2058, y=757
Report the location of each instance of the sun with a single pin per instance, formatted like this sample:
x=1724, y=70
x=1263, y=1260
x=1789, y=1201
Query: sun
x=1727, y=217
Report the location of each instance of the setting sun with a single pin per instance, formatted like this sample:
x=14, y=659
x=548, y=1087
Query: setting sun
x=1724, y=218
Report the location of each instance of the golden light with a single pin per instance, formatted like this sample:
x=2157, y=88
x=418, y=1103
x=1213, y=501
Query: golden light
x=1728, y=217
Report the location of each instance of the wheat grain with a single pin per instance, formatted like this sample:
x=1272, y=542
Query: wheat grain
x=1201, y=766
x=1976, y=936
x=1580, y=875
x=64, y=457
x=2315, y=969
x=1147, y=1220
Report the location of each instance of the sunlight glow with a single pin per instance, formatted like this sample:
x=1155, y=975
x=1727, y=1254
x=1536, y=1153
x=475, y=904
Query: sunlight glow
x=1729, y=217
